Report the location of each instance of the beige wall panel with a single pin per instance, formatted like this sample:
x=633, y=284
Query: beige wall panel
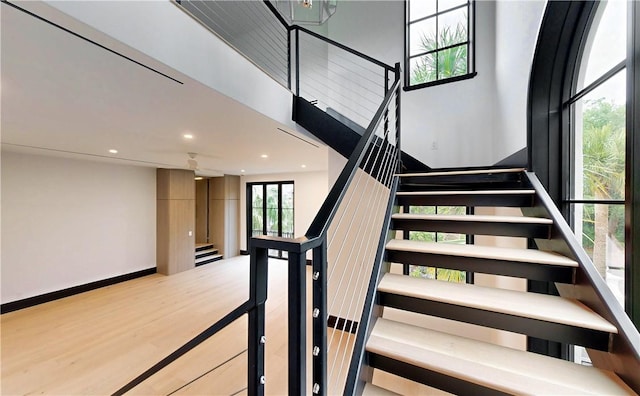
x=175, y=232
x=162, y=236
x=232, y=228
x=216, y=224
x=232, y=187
x=183, y=221
x=202, y=205
x=216, y=188
x=182, y=184
x=175, y=184
x=163, y=180
x=175, y=247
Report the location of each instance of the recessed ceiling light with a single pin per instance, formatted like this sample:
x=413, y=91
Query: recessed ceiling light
x=264, y=156
x=303, y=166
x=113, y=151
x=187, y=136
x=198, y=178
x=242, y=170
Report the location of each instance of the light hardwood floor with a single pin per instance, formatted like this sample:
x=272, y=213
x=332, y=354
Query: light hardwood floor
x=95, y=342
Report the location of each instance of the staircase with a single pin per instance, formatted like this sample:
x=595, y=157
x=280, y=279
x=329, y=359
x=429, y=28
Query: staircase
x=206, y=253
x=462, y=364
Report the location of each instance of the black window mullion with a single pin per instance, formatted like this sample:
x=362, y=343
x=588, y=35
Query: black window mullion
x=280, y=215
x=264, y=209
x=438, y=13
x=460, y=44
x=437, y=55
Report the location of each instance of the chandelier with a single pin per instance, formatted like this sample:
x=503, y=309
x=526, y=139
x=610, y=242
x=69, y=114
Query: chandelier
x=312, y=12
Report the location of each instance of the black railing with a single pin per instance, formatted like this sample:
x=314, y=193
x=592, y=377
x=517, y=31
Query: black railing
x=332, y=77
x=339, y=80
x=590, y=288
x=349, y=226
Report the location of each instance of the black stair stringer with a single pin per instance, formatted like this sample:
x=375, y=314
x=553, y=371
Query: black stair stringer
x=339, y=136
x=428, y=377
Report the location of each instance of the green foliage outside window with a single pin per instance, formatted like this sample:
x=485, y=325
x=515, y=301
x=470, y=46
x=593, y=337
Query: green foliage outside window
x=443, y=274
x=603, y=174
x=445, y=63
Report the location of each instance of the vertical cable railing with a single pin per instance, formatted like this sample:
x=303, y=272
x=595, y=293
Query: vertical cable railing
x=338, y=80
x=251, y=29
x=344, y=238
x=342, y=82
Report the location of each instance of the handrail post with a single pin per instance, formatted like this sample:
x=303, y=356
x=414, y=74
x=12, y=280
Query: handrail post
x=297, y=323
x=256, y=332
x=297, y=62
x=319, y=350
x=398, y=116
x=289, y=58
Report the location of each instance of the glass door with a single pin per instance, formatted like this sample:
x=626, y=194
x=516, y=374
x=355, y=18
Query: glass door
x=271, y=211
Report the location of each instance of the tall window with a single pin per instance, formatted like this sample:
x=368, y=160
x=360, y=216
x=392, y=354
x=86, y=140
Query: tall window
x=596, y=193
x=439, y=42
x=271, y=211
x=596, y=160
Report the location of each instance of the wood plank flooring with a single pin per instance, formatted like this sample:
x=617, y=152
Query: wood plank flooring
x=95, y=342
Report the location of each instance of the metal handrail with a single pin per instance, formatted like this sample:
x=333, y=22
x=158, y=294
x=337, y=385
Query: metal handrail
x=603, y=302
x=316, y=239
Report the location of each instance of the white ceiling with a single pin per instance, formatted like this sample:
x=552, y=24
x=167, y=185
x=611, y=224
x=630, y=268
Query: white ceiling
x=64, y=96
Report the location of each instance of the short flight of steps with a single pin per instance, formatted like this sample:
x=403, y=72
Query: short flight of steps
x=462, y=365
x=206, y=253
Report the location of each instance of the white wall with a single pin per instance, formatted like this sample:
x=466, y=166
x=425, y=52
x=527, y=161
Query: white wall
x=467, y=123
x=517, y=26
x=309, y=192
x=70, y=222
x=163, y=31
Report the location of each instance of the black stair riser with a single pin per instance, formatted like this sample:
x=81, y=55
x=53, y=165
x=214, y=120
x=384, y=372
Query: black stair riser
x=428, y=377
x=516, y=269
x=204, y=247
x=214, y=252
x=472, y=179
x=199, y=263
x=532, y=327
x=502, y=200
x=461, y=187
x=523, y=230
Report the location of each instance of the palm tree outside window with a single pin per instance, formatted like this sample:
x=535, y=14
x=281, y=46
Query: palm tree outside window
x=595, y=194
x=439, y=42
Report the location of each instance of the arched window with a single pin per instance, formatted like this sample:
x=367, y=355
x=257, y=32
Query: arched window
x=584, y=131
x=595, y=162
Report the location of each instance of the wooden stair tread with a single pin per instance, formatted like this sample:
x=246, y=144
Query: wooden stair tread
x=467, y=172
x=372, y=390
x=465, y=192
x=482, y=252
x=478, y=218
x=210, y=257
x=208, y=251
x=522, y=304
x=492, y=366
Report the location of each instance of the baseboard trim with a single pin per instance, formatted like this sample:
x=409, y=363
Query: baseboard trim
x=349, y=326
x=244, y=252
x=56, y=295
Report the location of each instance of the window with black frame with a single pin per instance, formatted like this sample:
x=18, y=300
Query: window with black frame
x=438, y=42
x=435, y=272
x=271, y=211
x=595, y=198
